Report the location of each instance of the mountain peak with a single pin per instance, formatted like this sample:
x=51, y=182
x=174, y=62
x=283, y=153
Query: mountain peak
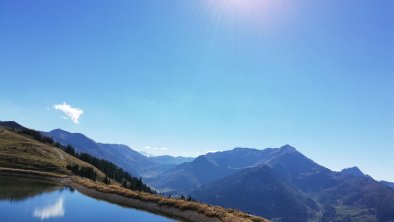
x=287, y=147
x=58, y=130
x=355, y=171
x=64, y=133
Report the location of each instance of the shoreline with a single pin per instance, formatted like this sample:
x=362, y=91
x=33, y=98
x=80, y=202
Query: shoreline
x=151, y=207
x=186, y=211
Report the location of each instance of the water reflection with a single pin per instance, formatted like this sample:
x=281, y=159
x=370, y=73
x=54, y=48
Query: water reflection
x=18, y=188
x=51, y=211
x=34, y=199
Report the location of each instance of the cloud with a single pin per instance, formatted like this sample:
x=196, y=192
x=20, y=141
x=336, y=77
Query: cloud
x=73, y=113
x=146, y=154
x=156, y=148
x=54, y=210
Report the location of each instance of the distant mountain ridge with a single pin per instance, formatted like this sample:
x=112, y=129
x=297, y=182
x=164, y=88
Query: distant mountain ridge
x=245, y=178
x=188, y=176
x=388, y=184
x=124, y=156
x=167, y=159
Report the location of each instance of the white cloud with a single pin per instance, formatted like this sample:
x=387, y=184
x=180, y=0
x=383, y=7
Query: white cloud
x=156, y=148
x=54, y=210
x=73, y=113
x=146, y=154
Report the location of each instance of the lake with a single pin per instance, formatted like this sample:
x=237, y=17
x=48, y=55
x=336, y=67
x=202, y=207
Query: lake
x=31, y=199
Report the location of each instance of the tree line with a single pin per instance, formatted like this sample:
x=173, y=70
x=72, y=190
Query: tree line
x=111, y=171
x=83, y=171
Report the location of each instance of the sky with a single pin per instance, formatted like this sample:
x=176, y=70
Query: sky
x=185, y=77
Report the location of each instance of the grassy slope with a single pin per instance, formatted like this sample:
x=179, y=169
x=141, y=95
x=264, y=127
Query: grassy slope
x=22, y=152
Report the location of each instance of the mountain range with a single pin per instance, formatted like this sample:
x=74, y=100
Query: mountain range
x=125, y=157
x=278, y=183
x=281, y=184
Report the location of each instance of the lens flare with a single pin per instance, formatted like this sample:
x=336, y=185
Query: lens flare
x=241, y=6
x=250, y=10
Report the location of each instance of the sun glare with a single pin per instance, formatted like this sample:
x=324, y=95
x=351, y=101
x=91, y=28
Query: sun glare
x=263, y=12
x=242, y=7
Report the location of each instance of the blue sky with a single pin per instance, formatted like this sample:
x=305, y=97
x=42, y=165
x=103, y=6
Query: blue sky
x=184, y=77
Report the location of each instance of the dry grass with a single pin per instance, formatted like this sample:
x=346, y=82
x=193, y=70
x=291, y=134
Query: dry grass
x=31, y=172
x=22, y=152
x=221, y=213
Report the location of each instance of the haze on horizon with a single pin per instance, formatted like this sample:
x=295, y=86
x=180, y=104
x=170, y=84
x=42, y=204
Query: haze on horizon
x=187, y=77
